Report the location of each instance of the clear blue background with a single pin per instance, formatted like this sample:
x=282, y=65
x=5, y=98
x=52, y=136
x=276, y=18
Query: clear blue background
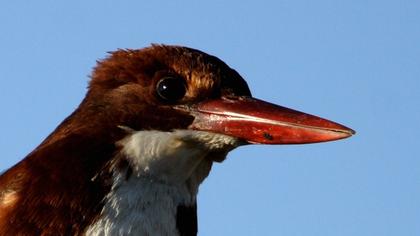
x=355, y=62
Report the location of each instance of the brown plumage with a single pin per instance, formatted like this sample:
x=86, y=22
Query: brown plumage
x=59, y=188
x=56, y=188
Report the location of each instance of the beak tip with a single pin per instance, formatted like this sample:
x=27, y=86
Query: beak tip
x=342, y=132
x=349, y=132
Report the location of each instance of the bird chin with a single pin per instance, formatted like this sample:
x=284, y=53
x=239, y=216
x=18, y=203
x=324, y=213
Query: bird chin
x=217, y=145
x=175, y=156
x=209, y=140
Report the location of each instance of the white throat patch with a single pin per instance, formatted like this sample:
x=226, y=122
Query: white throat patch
x=167, y=168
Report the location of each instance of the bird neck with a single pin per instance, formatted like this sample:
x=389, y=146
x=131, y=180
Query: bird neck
x=145, y=184
x=155, y=180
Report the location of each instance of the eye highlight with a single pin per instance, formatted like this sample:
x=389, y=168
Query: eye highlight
x=171, y=89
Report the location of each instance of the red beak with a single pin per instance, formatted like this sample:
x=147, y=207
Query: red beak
x=257, y=121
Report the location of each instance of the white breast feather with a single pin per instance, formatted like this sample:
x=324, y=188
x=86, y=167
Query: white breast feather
x=167, y=170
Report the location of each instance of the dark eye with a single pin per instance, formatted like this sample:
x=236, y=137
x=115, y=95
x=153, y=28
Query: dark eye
x=171, y=89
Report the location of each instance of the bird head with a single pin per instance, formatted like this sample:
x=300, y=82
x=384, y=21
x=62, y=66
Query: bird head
x=169, y=88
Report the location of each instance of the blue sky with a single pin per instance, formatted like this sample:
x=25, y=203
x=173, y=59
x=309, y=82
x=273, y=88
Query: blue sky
x=354, y=62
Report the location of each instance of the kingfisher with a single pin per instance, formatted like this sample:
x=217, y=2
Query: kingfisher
x=129, y=160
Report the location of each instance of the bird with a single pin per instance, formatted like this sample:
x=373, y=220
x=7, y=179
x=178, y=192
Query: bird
x=130, y=159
